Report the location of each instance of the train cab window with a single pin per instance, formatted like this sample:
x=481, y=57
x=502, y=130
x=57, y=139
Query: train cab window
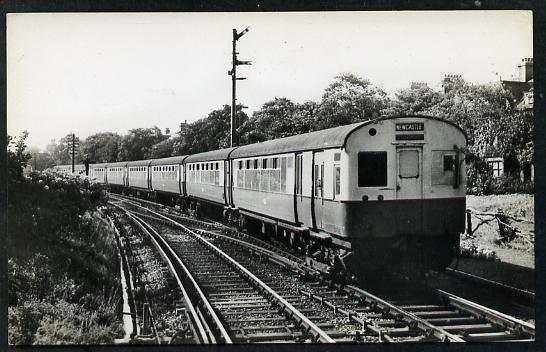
x=408, y=163
x=449, y=162
x=372, y=169
x=443, y=167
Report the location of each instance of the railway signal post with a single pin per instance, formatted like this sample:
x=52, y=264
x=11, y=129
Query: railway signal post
x=234, y=78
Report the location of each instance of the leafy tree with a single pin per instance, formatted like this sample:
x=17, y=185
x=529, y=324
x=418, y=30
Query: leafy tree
x=41, y=161
x=162, y=149
x=305, y=117
x=350, y=99
x=62, y=152
x=274, y=120
x=102, y=147
x=137, y=145
x=209, y=133
x=17, y=156
x=418, y=99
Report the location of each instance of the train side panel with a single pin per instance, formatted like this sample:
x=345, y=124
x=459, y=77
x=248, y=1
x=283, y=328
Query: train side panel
x=166, y=178
x=116, y=175
x=138, y=177
x=265, y=186
x=205, y=180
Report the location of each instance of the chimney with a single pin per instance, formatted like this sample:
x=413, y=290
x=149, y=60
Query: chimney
x=526, y=69
x=449, y=80
x=418, y=85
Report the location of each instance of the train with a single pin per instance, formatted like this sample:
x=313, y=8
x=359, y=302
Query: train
x=381, y=195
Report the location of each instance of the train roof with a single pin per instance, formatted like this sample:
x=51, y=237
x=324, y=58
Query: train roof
x=98, y=165
x=170, y=160
x=323, y=139
x=221, y=154
x=140, y=162
x=117, y=163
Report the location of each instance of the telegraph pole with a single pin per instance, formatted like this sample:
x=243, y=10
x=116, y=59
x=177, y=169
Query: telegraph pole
x=73, y=150
x=234, y=78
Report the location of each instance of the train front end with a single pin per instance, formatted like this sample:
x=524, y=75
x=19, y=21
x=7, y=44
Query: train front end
x=406, y=193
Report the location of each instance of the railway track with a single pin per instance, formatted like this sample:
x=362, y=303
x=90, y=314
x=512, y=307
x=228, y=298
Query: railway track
x=356, y=315
x=228, y=290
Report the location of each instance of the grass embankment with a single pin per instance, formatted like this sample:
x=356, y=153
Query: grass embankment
x=63, y=271
x=520, y=250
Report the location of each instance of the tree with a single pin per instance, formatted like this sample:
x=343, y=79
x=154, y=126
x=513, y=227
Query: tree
x=350, y=99
x=102, y=147
x=418, y=99
x=209, y=133
x=274, y=120
x=137, y=145
x=17, y=156
x=162, y=149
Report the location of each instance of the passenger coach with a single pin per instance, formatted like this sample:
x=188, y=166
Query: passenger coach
x=390, y=191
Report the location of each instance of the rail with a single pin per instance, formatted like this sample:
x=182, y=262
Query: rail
x=290, y=310
x=201, y=329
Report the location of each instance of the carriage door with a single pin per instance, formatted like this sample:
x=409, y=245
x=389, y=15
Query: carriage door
x=227, y=183
x=409, y=187
x=409, y=179
x=318, y=188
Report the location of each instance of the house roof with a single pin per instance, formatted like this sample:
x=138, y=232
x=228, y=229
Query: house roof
x=517, y=88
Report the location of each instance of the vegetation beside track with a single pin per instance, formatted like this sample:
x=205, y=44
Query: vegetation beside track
x=487, y=241
x=63, y=267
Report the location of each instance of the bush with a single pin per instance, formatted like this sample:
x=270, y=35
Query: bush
x=478, y=177
x=62, y=263
x=506, y=184
x=479, y=181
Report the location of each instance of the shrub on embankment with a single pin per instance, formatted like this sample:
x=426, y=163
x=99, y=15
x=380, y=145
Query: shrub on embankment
x=63, y=270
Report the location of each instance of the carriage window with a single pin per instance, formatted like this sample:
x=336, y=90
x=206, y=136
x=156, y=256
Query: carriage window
x=255, y=163
x=337, y=178
x=240, y=164
x=408, y=163
x=264, y=164
x=283, y=175
x=372, y=169
x=299, y=165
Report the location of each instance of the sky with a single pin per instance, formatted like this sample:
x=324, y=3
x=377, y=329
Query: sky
x=96, y=72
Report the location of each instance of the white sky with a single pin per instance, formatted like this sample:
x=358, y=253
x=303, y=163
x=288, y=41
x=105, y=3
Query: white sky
x=89, y=73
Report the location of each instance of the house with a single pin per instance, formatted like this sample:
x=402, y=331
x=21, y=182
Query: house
x=521, y=89
x=521, y=86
